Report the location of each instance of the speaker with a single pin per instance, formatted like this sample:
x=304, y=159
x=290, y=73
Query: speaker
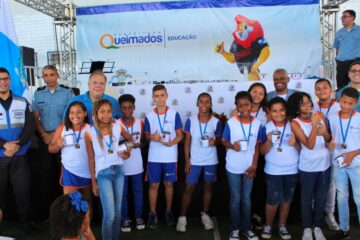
x=99, y=65
x=28, y=56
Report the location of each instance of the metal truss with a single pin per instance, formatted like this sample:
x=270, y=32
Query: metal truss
x=328, y=16
x=64, y=23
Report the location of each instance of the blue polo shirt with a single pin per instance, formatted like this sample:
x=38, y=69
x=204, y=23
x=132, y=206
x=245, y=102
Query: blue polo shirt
x=85, y=98
x=348, y=43
x=338, y=95
x=274, y=94
x=51, y=106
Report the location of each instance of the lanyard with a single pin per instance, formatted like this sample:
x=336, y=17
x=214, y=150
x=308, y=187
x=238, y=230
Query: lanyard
x=201, y=132
x=108, y=144
x=161, y=126
x=282, y=134
x=327, y=112
x=132, y=126
x=347, y=128
x=257, y=113
x=243, y=130
x=77, y=138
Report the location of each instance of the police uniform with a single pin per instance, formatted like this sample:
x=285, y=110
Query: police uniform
x=50, y=106
x=16, y=124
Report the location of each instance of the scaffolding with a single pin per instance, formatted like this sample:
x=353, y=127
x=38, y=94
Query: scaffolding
x=63, y=14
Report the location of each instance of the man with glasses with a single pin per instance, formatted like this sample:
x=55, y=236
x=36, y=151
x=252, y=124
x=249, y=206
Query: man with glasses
x=281, y=80
x=354, y=76
x=347, y=45
x=16, y=128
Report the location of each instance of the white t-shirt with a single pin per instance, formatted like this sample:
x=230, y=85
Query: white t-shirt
x=286, y=161
x=316, y=159
x=104, y=159
x=238, y=162
x=352, y=139
x=158, y=152
x=134, y=164
x=260, y=115
x=200, y=155
x=327, y=111
x=75, y=160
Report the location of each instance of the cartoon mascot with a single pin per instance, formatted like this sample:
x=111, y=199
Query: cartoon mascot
x=249, y=48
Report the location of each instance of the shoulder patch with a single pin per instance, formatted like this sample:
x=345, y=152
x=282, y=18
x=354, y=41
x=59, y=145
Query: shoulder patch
x=40, y=88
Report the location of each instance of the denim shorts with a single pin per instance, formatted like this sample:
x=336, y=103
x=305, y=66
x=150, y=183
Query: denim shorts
x=209, y=174
x=280, y=188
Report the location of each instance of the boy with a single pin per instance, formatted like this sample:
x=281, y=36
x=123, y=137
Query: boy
x=133, y=166
x=345, y=129
x=163, y=128
x=327, y=106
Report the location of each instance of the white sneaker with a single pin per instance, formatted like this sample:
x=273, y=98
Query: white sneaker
x=206, y=221
x=331, y=222
x=181, y=224
x=318, y=234
x=234, y=235
x=307, y=235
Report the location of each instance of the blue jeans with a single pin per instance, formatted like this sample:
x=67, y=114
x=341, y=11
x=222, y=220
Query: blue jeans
x=314, y=189
x=240, y=190
x=111, y=184
x=341, y=177
x=137, y=187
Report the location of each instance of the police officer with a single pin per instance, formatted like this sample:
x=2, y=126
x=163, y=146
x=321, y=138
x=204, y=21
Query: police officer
x=48, y=105
x=16, y=128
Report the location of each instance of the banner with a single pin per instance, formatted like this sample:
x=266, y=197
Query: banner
x=10, y=53
x=199, y=41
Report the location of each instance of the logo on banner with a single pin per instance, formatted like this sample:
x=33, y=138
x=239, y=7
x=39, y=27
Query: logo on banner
x=120, y=77
x=188, y=114
x=187, y=90
x=142, y=91
x=210, y=88
x=121, y=91
x=231, y=88
x=118, y=40
x=174, y=102
x=298, y=85
x=221, y=100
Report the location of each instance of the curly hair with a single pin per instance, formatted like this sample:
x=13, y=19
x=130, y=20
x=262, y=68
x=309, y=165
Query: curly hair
x=294, y=102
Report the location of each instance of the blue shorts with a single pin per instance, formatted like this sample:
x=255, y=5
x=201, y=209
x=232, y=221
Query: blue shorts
x=210, y=173
x=166, y=171
x=68, y=179
x=280, y=188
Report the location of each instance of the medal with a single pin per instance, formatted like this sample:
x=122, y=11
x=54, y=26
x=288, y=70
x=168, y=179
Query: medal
x=279, y=149
x=77, y=146
x=108, y=144
x=110, y=151
x=77, y=138
x=344, y=135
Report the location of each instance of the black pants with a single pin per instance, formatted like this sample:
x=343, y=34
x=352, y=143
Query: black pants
x=47, y=175
x=16, y=171
x=342, y=70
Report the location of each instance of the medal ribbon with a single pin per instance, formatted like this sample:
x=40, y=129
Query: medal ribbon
x=243, y=130
x=77, y=138
x=347, y=128
x=108, y=144
x=282, y=134
x=161, y=126
x=201, y=132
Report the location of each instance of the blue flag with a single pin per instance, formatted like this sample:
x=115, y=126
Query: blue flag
x=10, y=56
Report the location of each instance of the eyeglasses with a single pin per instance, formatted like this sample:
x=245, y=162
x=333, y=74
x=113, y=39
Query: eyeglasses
x=355, y=70
x=345, y=16
x=4, y=79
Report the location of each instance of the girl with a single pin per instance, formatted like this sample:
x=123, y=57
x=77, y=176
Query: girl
x=69, y=138
x=106, y=165
x=203, y=132
x=281, y=155
x=314, y=163
x=67, y=216
x=240, y=138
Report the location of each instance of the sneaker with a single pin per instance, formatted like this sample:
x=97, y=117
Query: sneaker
x=307, y=235
x=257, y=222
x=331, y=222
x=342, y=235
x=318, y=234
x=152, y=221
x=169, y=218
x=206, y=221
x=266, y=232
x=284, y=233
x=126, y=225
x=234, y=235
x=140, y=224
x=181, y=224
x=249, y=235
